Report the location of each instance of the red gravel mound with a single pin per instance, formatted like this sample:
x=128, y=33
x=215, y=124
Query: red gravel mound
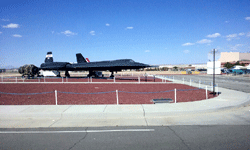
x=86, y=99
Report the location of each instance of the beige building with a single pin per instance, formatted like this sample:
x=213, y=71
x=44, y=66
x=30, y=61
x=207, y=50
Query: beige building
x=233, y=56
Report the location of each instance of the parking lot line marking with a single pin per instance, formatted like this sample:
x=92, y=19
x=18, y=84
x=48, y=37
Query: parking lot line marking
x=87, y=131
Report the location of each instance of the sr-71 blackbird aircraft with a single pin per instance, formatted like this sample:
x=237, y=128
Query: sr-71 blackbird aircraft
x=82, y=64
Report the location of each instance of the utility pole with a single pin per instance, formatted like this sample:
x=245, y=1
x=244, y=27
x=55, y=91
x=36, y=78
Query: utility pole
x=213, y=52
x=214, y=74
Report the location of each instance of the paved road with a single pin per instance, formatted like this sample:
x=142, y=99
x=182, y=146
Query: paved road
x=222, y=129
x=237, y=83
x=139, y=138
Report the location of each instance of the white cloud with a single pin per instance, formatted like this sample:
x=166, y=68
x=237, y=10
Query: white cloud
x=68, y=33
x=17, y=35
x=92, y=32
x=107, y=24
x=187, y=44
x=226, y=21
x=235, y=47
x=213, y=35
x=248, y=34
x=204, y=41
x=231, y=36
x=147, y=51
x=1, y=32
x=241, y=34
x=12, y=25
x=129, y=27
x=186, y=51
x=52, y=32
x=5, y=19
x=247, y=18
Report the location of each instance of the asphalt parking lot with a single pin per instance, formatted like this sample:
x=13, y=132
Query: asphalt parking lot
x=237, y=83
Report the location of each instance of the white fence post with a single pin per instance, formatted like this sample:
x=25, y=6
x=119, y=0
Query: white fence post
x=206, y=92
x=175, y=96
x=117, y=97
x=139, y=79
x=56, y=96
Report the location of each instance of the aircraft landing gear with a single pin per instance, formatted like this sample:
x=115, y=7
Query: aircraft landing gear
x=112, y=74
x=67, y=74
x=91, y=73
x=59, y=75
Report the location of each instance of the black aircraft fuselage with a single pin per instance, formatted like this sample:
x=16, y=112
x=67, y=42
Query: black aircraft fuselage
x=84, y=65
x=60, y=66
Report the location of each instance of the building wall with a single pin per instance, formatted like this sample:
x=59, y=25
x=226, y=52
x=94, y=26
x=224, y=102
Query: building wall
x=229, y=56
x=233, y=56
x=245, y=56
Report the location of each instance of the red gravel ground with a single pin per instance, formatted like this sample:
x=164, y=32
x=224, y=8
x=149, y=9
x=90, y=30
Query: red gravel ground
x=86, y=99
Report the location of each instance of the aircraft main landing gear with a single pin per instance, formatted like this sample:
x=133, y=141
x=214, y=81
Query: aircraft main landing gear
x=67, y=74
x=112, y=74
x=59, y=74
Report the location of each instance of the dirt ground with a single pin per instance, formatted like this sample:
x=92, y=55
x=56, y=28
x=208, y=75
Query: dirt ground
x=92, y=94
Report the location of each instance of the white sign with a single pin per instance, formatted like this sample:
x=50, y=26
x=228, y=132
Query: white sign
x=210, y=67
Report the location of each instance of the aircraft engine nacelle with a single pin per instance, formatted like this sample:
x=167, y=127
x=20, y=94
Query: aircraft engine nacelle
x=30, y=70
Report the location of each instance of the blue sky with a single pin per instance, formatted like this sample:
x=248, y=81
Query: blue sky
x=148, y=31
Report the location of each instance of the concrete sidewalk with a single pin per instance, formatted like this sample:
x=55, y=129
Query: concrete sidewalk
x=111, y=115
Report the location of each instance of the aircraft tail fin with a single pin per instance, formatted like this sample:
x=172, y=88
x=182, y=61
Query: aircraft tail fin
x=80, y=58
x=49, y=57
x=87, y=60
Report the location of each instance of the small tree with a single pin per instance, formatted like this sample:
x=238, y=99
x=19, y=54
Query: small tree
x=164, y=68
x=175, y=68
x=228, y=65
x=238, y=63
